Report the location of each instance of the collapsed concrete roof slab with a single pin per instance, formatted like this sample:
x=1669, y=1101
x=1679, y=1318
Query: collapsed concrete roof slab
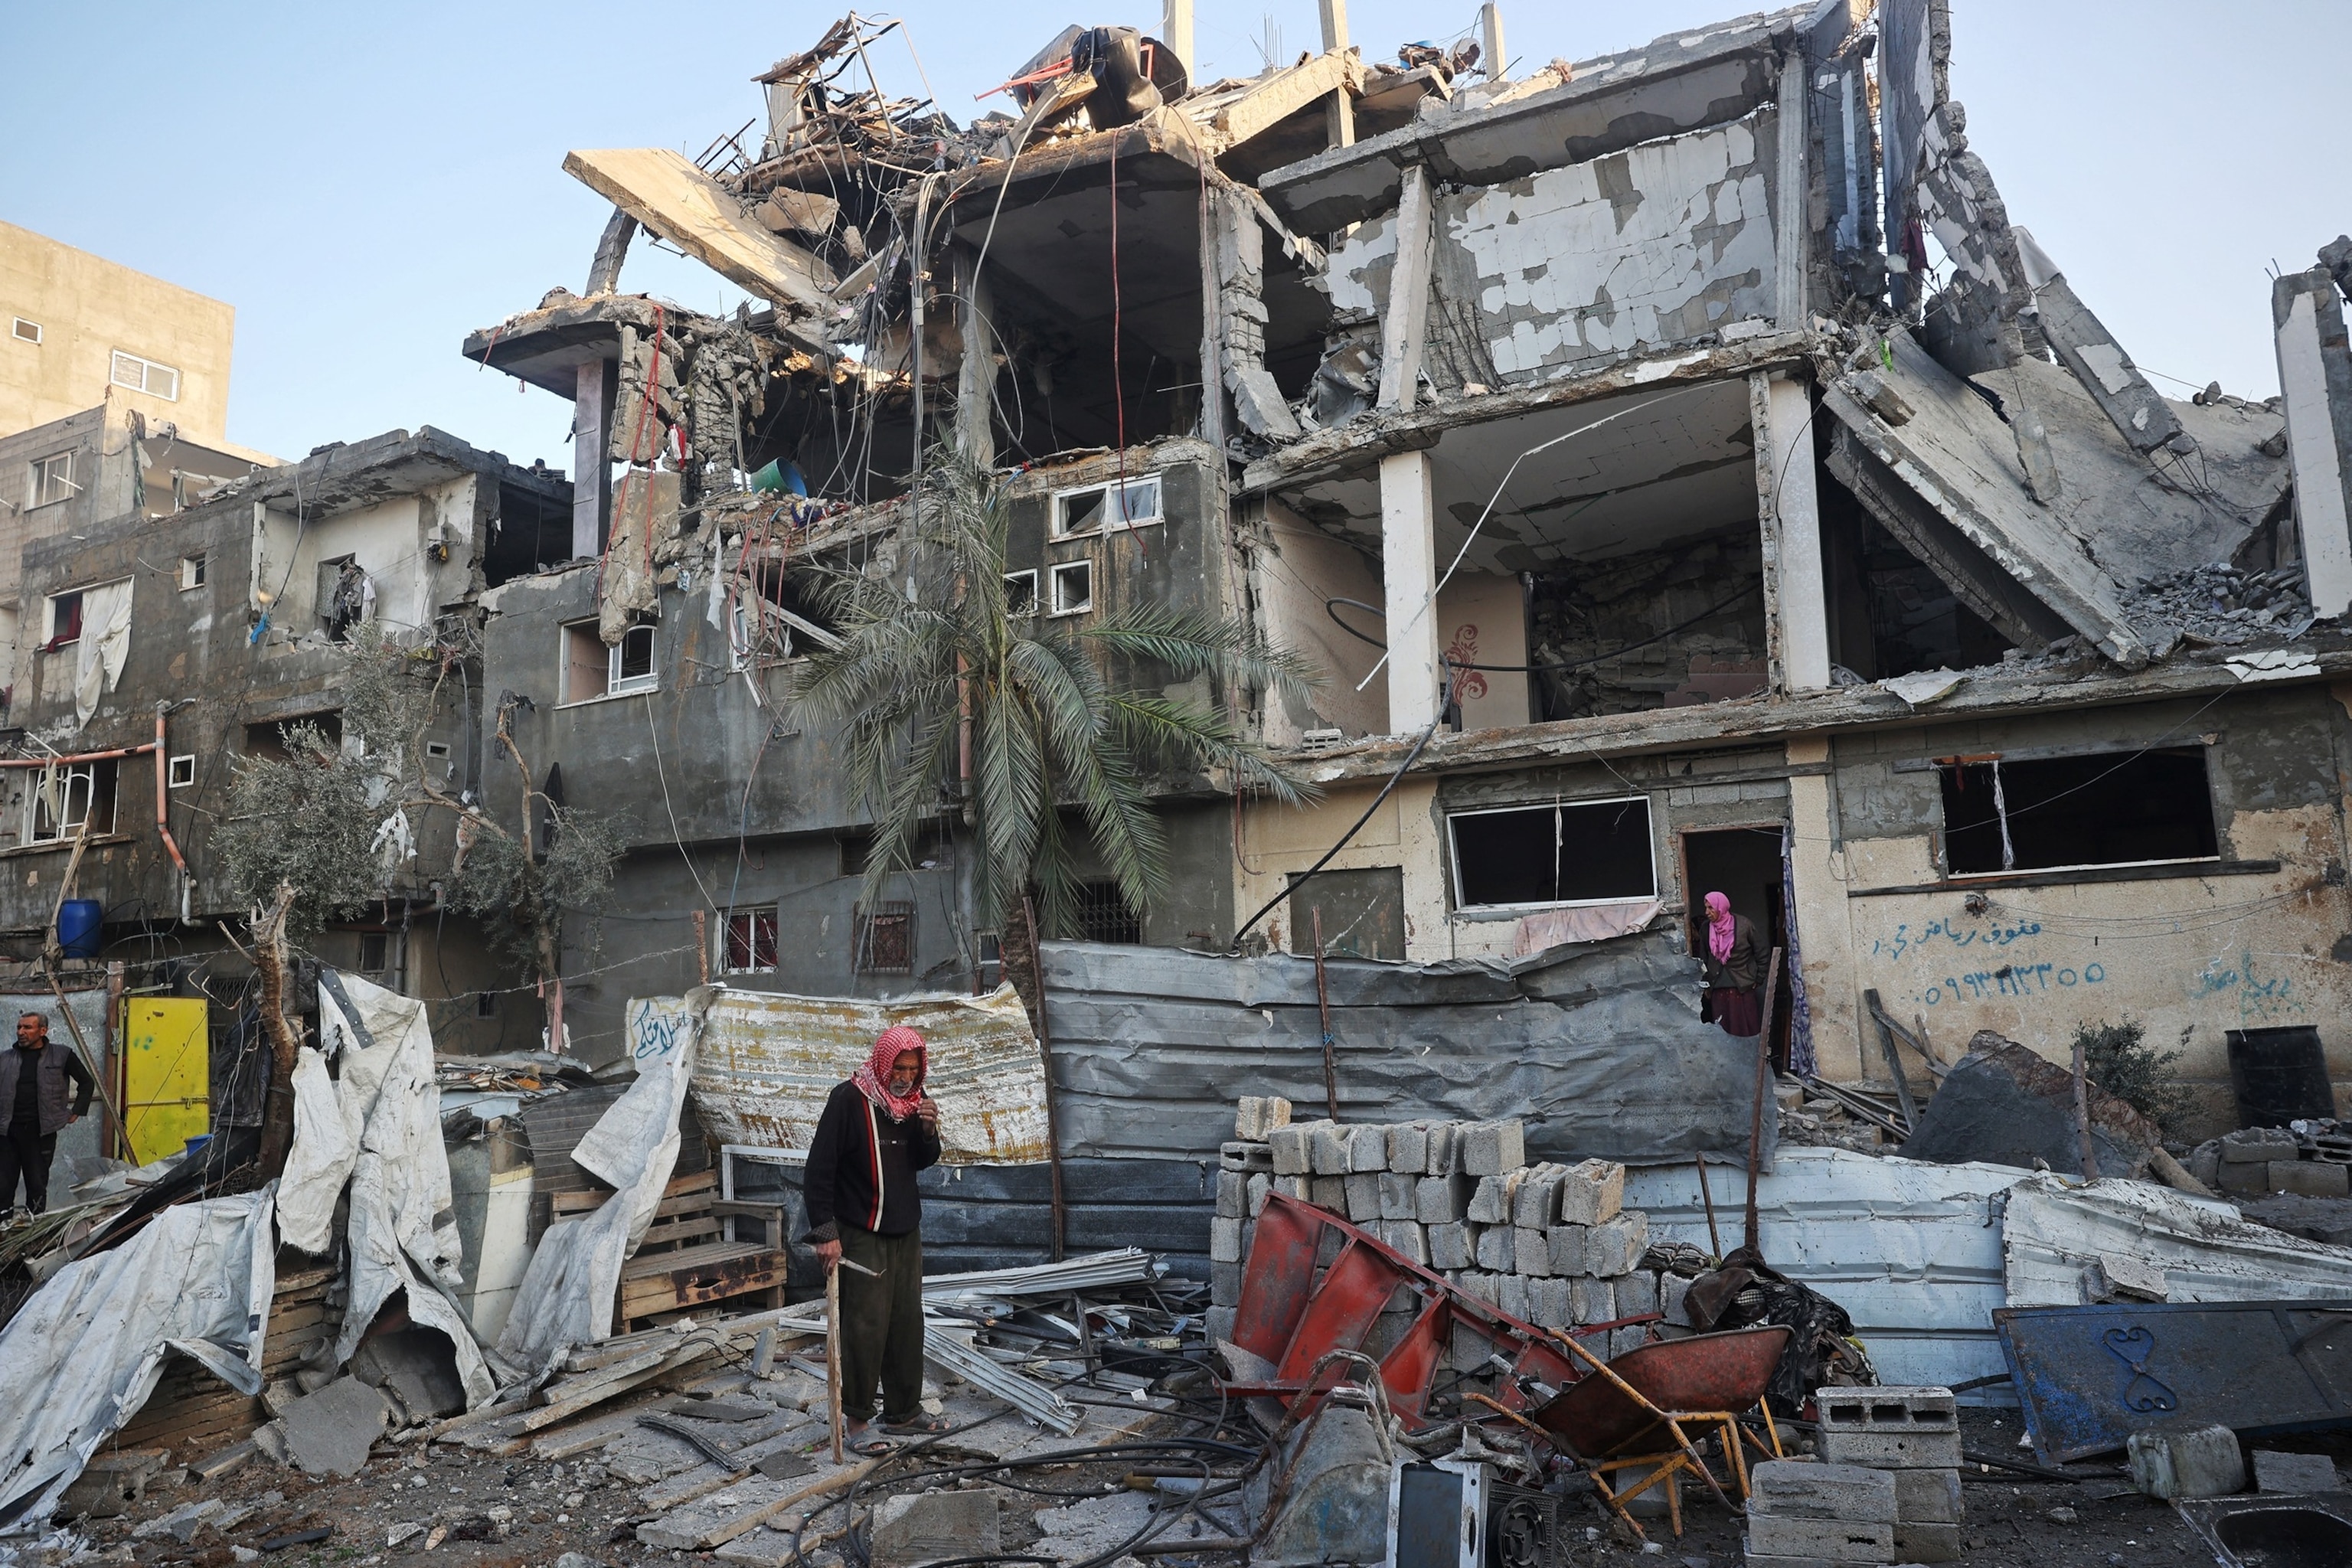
x=342, y=475
x=546, y=347
x=1682, y=82
x=1958, y=455
x=674, y=199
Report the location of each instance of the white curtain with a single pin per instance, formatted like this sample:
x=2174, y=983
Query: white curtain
x=105, y=640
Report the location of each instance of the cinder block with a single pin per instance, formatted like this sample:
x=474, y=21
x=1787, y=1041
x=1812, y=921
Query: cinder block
x=1224, y=1284
x=1469, y=1350
x=1674, y=1300
x=2257, y=1145
x=1299, y=1188
x=1258, y=1115
x=1397, y=1198
x=1235, y=1155
x=1363, y=1196
x=1498, y=1249
x=1927, y=1543
x=1481, y=1284
x=1409, y=1148
x=1368, y=1149
x=1631, y=1337
x=1926, y=1497
x=2184, y=1462
x=1637, y=1293
x=1827, y=1540
x=1491, y=1148
x=1593, y=1193
x=1537, y=1203
x=1511, y=1294
x=1329, y=1240
x=1254, y=1190
x=2244, y=1180
x=1547, y=1305
x=1292, y=1149
x=1592, y=1300
x=1795, y=1489
x=2276, y=1472
x=1233, y=1195
x=2312, y=1178
x=1221, y=1325
x=1490, y=1201
x=1328, y=1193
x=1919, y=1450
x=1407, y=1237
x=1327, y=1144
x=1449, y=1246
x=1441, y=1200
x=1567, y=1248
x=1224, y=1241
x=1442, y=1149
x=1613, y=1249
x=1531, y=1252
x=1889, y=1407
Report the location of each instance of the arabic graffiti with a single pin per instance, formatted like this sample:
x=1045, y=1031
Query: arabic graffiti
x=2259, y=996
x=2021, y=979
x=1903, y=940
x=657, y=1025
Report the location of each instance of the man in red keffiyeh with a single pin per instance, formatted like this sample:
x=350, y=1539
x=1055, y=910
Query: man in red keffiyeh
x=877, y=1130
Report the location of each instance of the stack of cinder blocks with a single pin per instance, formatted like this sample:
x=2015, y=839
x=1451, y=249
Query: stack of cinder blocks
x=1887, y=1488
x=1550, y=1244
x=2313, y=1157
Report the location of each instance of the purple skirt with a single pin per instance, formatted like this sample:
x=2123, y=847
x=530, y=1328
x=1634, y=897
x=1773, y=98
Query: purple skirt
x=1739, y=1012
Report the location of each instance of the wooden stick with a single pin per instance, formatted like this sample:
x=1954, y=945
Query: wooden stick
x=2082, y=1113
x=1763, y=1087
x=833, y=1356
x=1714, y=1241
x=1323, y=1007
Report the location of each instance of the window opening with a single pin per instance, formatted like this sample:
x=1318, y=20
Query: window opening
x=885, y=938
x=65, y=621
x=27, y=331
x=485, y=1003
x=1574, y=852
x=2058, y=813
x=1107, y=505
x=146, y=375
x=631, y=664
x=1021, y=592
x=276, y=739
x=1074, y=588
x=751, y=941
x=65, y=798
x=191, y=572
x=592, y=669
x=1103, y=914
x=52, y=480
x=180, y=772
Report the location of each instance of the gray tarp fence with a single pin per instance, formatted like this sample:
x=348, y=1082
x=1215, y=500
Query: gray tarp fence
x=1598, y=1046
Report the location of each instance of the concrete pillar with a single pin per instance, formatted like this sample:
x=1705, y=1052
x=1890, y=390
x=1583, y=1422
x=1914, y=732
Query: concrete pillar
x=1818, y=873
x=976, y=380
x=1338, y=109
x=1791, y=221
x=1176, y=28
x=592, y=450
x=1788, y=505
x=2316, y=378
x=1409, y=583
x=1490, y=41
x=1404, y=324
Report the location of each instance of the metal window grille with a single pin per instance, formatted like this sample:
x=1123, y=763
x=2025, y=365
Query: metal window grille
x=885, y=938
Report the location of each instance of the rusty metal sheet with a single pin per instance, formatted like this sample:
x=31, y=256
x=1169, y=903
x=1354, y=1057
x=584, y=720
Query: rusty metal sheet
x=767, y=1061
x=2091, y=1376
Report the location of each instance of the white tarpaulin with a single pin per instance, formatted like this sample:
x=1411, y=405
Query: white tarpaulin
x=567, y=1295
x=82, y=1357
x=2053, y=1232
x=375, y=1126
x=105, y=642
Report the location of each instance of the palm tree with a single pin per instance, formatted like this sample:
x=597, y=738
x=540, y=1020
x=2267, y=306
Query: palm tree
x=948, y=691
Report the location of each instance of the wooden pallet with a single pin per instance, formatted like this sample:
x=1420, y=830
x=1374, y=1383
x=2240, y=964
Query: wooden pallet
x=695, y=1252
x=192, y=1411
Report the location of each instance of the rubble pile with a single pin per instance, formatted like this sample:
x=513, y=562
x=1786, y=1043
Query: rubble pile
x=1549, y=1244
x=1885, y=1489
x=2309, y=1159
x=2221, y=603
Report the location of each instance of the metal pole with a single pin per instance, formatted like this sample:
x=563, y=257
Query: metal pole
x=1323, y=1007
x=1714, y=1241
x=832, y=1356
x=1763, y=1087
x=1046, y=1056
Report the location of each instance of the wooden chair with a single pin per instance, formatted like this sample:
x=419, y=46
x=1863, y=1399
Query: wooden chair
x=694, y=1253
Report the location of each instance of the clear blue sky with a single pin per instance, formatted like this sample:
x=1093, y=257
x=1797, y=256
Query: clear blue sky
x=366, y=184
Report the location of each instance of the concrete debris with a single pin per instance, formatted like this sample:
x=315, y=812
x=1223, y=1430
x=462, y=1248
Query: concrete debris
x=2186, y=1461
x=331, y=1432
x=2004, y=1104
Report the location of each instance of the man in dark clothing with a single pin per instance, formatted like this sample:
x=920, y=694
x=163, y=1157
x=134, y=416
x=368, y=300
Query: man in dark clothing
x=33, y=1078
x=877, y=1130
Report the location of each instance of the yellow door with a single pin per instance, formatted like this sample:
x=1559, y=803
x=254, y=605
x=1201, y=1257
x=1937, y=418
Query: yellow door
x=166, y=1074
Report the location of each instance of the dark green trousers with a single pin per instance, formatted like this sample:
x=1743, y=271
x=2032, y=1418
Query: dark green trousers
x=882, y=1325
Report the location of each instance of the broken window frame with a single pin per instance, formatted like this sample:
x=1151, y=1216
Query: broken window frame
x=747, y=937
x=1992, y=763
x=61, y=624
x=191, y=572
x=1021, y=592
x=1558, y=810
x=144, y=375
x=83, y=789
x=50, y=481
x=875, y=952
x=615, y=683
x=1130, y=490
x=1062, y=571
x=618, y=682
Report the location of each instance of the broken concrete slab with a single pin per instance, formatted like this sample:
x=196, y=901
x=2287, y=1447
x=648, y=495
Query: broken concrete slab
x=2004, y=1105
x=1806, y=1490
x=663, y=191
x=2084, y=346
x=2299, y=1473
x=932, y=1526
x=1090, y=1529
x=2314, y=363
x=2188, y=1462
x=331, y=1432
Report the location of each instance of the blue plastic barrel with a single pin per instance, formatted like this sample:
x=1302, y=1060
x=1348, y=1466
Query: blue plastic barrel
x=79, y=923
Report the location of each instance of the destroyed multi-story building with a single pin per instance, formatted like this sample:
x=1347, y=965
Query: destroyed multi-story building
x=1688, y=472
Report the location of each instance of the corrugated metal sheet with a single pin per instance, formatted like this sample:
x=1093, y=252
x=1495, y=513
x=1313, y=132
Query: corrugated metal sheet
x=1599, y=1047
x=2208, y=1253
x=767, y=1062
x=1911, y=1251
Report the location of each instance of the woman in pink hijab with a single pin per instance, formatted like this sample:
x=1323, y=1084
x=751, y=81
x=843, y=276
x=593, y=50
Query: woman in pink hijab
x=1735, y=968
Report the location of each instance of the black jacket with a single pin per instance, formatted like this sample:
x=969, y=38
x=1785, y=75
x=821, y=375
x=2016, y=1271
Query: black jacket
x=861, y=1168
x=46, y=1072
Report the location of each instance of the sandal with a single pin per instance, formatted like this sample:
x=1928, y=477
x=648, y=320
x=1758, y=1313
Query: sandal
x=916, y=1426
x=872, y=1447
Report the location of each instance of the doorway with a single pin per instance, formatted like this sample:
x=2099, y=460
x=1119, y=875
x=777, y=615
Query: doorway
x=1743, y=863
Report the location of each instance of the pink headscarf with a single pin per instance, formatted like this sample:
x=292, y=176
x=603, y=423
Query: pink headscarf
x=1720, y=930
x=873, y=1078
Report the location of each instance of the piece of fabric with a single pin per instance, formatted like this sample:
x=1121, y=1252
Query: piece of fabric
x=82, y=1357
x=1737, y=1013
x=105, y=643
x=33, y=1087
x=1743, y=968
x=1586, y=922
x=26, y=1157
x=567, y=1293
x=1719, y=928
x=882, y=1325
x=373, y=1131
x=861, y=1167
x=873, y=1079
x=1802, y=1061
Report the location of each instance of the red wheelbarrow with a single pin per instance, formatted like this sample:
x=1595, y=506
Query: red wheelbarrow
x=1640, y=1412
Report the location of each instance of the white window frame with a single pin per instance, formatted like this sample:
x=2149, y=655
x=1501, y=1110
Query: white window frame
x=615, y=684
x=22, y=336
x=1062, y=504
x=751, y=914
x=619, y=685
x=1454, y=853
x=1062, y=572
x=73, y=778
x=1028, y=577
x=180, y=772
x=37, y=477
x=49, y=617
x=144, y=375
x=191, y=572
